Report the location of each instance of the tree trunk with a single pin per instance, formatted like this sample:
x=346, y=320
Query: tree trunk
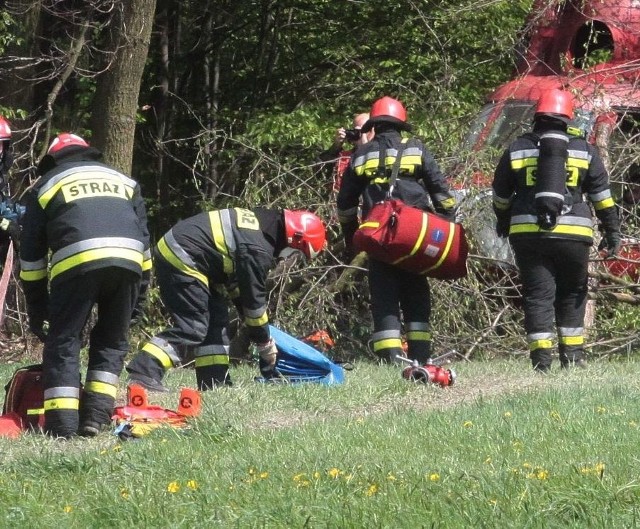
x=116, y=99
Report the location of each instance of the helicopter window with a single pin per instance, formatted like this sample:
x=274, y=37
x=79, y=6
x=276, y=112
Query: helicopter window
x=513, y=119
x=592, y=45
x=623, y=158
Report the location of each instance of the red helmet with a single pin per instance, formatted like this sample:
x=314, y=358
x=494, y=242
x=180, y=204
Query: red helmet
x=387, y=106
x=5, y=130
x=387, y=110
x=65, y=140
x=304, y=232
x=556, y=102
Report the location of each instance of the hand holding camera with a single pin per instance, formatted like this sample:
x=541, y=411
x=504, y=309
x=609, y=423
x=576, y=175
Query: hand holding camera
x=352, y=135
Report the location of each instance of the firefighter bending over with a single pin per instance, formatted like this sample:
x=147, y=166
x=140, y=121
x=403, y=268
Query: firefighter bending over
x=538, y=192
x=203, y=260
x=421, y=184
x=92, y=218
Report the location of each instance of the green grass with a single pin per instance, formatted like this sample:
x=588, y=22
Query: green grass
x=502, y=448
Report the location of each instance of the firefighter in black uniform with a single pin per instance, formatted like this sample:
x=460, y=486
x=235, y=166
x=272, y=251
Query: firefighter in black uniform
x=92, y=218
x=10, y=212
x=202, y=261
x=538, y=190
x=421, y=184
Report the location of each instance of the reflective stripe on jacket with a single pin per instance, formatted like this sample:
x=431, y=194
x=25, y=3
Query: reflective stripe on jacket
x=514, y=190
x=225, y=248
x=89, y=216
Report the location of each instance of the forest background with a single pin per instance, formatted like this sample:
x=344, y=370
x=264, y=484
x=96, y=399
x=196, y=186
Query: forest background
x=214, y=104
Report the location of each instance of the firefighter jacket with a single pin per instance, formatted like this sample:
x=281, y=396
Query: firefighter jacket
x=232, y=251
x=89, y=216
x=420, y=182
x=514, y=191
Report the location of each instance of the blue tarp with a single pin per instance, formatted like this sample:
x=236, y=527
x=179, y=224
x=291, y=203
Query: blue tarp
x=300, y=362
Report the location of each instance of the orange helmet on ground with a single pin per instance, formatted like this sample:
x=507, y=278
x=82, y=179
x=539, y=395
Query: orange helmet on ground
x=305, y=232
x=64, y=140
x=5, y=130
x=387, y=110
x=555, y=103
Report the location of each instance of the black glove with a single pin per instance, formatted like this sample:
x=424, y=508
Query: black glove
x=502, y=226
x=38, y=327
x=136, y=315
x=611, y=241
x=268, y=354
x=12, y=228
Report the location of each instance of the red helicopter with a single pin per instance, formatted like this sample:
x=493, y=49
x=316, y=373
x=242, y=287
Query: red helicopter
x=591, y=48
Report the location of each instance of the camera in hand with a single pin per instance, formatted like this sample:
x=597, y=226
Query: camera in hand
x=352, y=135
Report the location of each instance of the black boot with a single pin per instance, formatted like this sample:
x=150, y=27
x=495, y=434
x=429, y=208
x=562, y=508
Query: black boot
x=209, y=377
x=572, y=357
x=61, y=423
x=541, y=360
x=95, y=413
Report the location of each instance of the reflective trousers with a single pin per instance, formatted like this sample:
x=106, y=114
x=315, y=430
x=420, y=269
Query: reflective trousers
x=400, y=301
x=200, y=318
x=554, y=275
x=114, y=291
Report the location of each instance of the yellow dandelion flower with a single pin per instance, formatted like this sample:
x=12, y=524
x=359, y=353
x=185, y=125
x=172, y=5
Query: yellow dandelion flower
x=391, y=477
x=373, y=489
x=173, y=487
x=542, y=474
x=601, y=409
x=264, y=475
x=467, y=424
x=124, y=493
x=599, y=468
x=633, y=424
x=507, y=414
x=493, y=502
x=316, y=475
x=299, y=477
x=67, y=508
x=488, y=461
x=192, y=484
x=117, y=448
x=301, y=481
x=334, y=473
x=252, y=471
x=434, y=476
x=554, y=415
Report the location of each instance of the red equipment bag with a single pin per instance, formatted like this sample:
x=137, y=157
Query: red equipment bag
x=24, y=397
x=414, y=240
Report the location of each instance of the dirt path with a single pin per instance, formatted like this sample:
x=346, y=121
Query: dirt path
x=464, y=392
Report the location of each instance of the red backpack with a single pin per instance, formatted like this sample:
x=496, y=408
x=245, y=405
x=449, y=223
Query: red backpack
x=24, y=397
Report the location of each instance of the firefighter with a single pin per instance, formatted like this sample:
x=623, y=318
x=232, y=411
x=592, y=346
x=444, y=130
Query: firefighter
x=335, y=159
x=202, y=261
x=9, y=212
x=538, y=191
x=92, y=218
x=421, y=184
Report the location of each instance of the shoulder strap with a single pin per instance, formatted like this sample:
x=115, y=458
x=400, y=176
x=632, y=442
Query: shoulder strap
x=396, y=167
